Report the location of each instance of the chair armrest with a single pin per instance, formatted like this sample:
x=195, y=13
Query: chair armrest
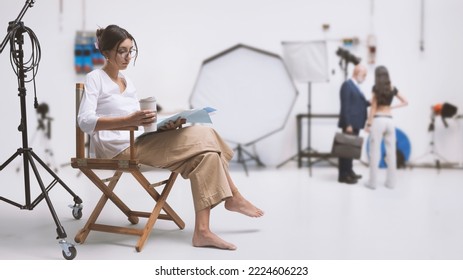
x=131, y=129
x=124, y=128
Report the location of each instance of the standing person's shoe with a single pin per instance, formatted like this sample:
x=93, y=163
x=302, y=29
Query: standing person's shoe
x=355, y=175
x=370, y=186
x=390, y=185
x=347, y=179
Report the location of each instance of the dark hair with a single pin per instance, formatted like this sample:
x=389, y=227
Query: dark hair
x=382, y=88
x=111, y=37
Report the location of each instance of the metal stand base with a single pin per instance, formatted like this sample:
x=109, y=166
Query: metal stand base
x=29, y=156
x=243, y=156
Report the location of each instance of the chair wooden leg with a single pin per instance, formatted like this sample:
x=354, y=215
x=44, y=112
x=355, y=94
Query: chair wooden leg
x=169, y=211
x=81, y=236
x=108, y=192
x=153, y=216
x=156, y=196
x=160, y=204
x=83, y=233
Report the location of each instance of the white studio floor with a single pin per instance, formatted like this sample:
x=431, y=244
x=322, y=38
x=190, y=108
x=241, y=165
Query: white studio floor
x=307, y=218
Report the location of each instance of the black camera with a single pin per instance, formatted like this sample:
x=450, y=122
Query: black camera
x=347, y=56
x=42, y=110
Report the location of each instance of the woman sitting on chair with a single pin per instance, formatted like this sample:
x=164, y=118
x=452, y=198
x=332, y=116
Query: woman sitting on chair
x=196, y=152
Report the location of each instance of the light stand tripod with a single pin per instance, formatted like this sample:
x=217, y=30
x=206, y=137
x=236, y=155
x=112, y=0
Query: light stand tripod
x=15, y=37
x=343, y=64
x=309, y=152
x=243, y=156
x=438, y=160
x=308, y=63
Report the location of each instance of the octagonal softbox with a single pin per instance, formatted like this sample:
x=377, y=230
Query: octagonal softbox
x=251, y=90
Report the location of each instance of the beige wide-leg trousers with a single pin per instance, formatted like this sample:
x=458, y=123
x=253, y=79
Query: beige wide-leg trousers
x=197, y=153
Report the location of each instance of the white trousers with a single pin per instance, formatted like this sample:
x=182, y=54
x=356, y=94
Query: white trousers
x=383, y=128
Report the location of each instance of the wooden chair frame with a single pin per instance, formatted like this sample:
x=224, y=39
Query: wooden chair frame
x=88, y=165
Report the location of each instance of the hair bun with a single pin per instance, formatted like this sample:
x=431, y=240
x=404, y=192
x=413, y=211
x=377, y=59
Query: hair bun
x=99, y=32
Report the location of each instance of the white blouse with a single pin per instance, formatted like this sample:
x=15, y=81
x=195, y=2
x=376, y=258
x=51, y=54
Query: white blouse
x=102, y=97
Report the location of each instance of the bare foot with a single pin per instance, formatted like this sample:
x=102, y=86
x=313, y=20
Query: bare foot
x=209, y=239
x=237, y=203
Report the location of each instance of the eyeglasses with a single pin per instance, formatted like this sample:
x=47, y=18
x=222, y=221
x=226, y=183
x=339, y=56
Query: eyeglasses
x=127, y=53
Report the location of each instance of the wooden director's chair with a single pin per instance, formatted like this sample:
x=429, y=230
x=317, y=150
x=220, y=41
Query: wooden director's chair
x=88, y=165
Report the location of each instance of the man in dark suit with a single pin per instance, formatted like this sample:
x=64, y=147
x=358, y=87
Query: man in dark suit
x=352, y=118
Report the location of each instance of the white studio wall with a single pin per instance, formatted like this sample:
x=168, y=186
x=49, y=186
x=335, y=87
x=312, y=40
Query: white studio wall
x=175, y=37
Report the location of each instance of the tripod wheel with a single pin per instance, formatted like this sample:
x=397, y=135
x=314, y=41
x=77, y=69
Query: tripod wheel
x=76, y=209
x=77, y=213
x=72, y=253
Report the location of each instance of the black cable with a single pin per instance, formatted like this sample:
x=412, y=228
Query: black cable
x=31, y=64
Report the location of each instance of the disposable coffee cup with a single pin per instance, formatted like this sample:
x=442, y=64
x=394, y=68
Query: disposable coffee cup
x=149, y=103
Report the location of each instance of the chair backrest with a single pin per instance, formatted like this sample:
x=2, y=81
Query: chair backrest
x=80, y=135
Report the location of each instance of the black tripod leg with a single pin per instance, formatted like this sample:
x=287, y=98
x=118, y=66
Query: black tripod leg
x=60, y=229
x=288, y=160
x=256, y=158
x=68, y=249
x=242, y=160
x=77, y=199
x=18, y=152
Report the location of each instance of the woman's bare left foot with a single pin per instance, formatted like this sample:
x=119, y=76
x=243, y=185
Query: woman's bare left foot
x=237, y=203
x=209, y=239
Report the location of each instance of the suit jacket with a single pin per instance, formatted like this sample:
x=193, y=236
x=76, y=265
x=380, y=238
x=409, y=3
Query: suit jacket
x=353, y=106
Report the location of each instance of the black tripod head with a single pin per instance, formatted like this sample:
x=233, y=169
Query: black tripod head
x=12, y=24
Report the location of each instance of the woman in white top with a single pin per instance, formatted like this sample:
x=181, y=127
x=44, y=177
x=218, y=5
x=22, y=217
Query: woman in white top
x=381, y=126
x=197, y=153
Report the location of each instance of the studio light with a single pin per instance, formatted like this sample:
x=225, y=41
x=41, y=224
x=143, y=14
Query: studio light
x=347, y=56
x=252, y=92
x=445, y=110
x=308, y=63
